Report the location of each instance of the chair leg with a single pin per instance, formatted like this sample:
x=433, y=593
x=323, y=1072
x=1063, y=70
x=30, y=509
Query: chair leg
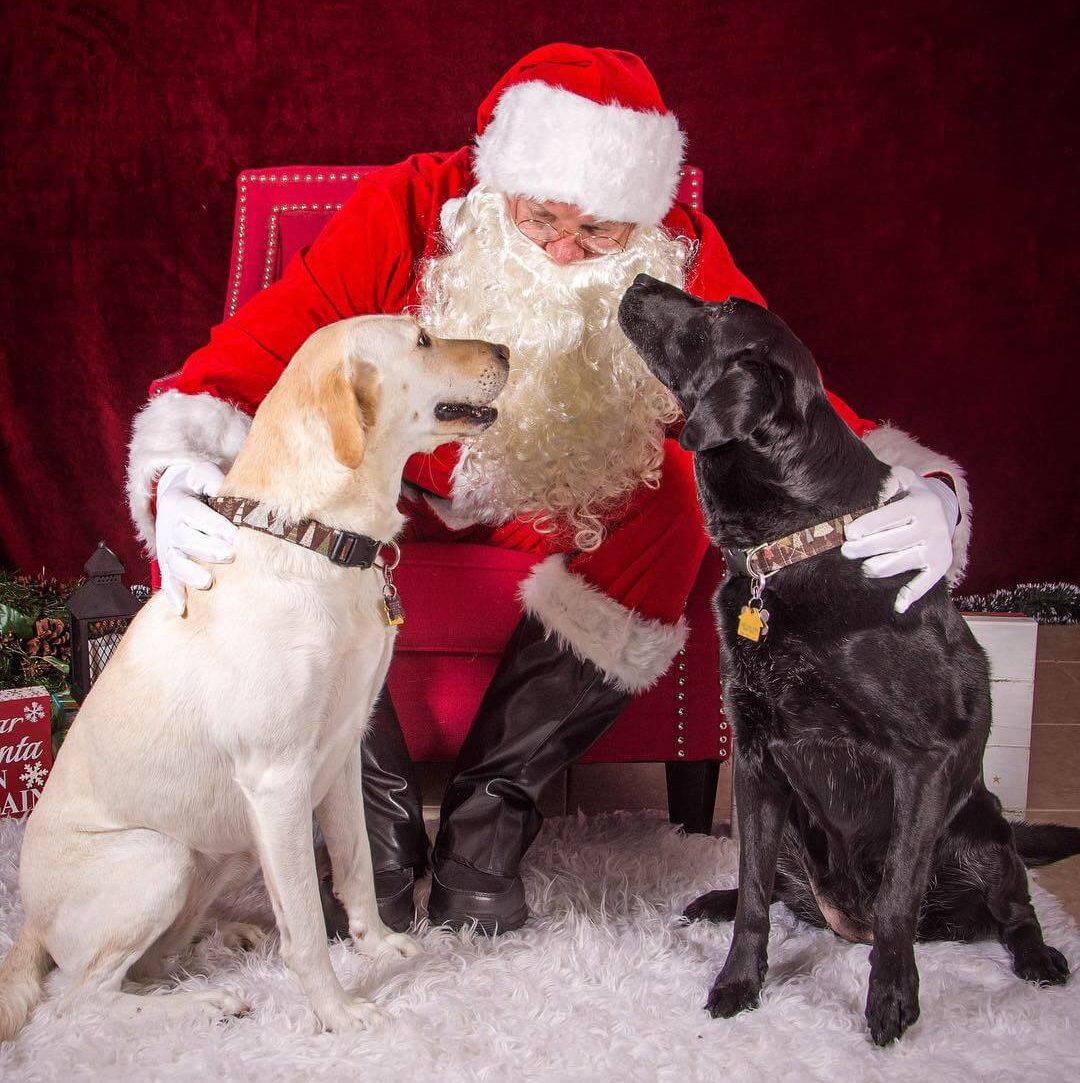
x=691, y=794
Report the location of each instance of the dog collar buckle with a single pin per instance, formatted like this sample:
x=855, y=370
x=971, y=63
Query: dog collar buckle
x=353, y=550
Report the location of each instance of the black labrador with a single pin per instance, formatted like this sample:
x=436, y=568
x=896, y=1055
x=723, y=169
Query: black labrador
x=859, y=731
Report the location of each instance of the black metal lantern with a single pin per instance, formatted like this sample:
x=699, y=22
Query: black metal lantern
x=101, y=609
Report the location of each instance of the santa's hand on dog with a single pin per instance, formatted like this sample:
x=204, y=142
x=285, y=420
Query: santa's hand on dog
x=186, y=530
x=913, y=533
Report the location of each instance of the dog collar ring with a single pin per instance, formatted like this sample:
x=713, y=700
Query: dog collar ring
x=393, y=610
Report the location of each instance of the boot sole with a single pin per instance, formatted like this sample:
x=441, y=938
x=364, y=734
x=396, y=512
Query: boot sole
x=397, y=912
x=487, y=926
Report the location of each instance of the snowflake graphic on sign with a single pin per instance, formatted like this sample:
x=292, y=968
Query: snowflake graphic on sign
x=34, y=713
x=34, y=775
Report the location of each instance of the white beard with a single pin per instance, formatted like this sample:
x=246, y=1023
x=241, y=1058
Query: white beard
x=581, y=421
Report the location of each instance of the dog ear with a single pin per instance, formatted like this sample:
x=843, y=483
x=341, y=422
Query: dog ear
x=701, y=431
x=349, y=396
x=728, y=409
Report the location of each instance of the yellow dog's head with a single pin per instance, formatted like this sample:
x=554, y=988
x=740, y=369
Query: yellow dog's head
x=365, y=383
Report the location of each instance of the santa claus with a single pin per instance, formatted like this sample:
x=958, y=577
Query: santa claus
x=529, y=237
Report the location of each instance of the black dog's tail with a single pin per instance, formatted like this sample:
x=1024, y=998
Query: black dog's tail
x=1043, y=844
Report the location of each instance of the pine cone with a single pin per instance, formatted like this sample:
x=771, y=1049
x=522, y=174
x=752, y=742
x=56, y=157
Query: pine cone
x=54, y=592
x=50, y=639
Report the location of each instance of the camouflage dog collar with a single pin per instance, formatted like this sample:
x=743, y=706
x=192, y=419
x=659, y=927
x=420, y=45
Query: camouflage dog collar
x=761, y=561
x=339, y=546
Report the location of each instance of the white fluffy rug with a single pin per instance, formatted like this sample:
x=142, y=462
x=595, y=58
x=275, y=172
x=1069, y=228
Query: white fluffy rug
x=601, y=985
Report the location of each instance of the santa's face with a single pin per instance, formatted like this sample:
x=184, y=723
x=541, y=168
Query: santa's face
x=581, y=421
x=565, y=232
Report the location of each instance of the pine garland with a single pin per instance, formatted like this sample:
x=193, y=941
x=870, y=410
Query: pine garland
x=1048, y=603
x=35, y=640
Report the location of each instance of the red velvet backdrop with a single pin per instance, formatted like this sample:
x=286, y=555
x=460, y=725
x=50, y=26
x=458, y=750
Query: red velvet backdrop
x=899, y=179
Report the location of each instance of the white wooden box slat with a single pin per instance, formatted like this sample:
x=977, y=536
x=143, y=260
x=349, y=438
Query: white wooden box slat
x=1006, y=773
x=1009, y=642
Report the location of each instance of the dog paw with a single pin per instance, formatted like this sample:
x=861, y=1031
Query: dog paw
x=728, y=998
x=402, y=944
x=890, y=1009
x=219, y=1003
x=369, y=942
x=352, y=1013
x=241, y=935
x=1043, y=966
x=715, y=906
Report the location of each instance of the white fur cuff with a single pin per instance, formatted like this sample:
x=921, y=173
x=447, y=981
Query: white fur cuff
x=895, y=447
x=609, y=160
x=632, y=651
x=450, y=516
x=174, y=428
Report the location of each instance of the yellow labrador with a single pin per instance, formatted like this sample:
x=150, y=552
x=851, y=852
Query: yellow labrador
x=208, y=741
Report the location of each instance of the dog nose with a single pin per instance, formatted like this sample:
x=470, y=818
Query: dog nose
x=503, y=354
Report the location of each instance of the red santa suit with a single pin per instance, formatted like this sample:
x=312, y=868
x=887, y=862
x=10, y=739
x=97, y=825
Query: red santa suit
x=619, y=605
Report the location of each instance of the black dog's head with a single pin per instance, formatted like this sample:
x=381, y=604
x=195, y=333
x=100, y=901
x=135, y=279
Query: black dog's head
x=733, y=367
x=773, y=449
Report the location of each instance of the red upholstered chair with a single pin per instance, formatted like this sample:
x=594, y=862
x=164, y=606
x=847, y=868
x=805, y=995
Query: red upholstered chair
x=448, y=648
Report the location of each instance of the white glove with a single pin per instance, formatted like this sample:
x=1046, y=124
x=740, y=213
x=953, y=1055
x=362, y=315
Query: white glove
x=186, y=530
x=913, y=533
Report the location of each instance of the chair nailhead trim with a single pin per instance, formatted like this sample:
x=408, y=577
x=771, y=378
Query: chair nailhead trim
x=273, y=233
x=695, y=180
x=234, y=286
x=241, y=227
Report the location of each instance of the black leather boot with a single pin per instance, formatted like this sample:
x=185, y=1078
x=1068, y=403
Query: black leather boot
x=543, y=709
x=393, y=807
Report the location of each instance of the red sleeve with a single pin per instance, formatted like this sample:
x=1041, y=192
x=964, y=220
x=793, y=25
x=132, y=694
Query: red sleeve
x=434, y=473
x=714, y=277
x=360, y=263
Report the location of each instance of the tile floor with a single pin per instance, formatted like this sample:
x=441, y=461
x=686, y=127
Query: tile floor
x=1053, y=783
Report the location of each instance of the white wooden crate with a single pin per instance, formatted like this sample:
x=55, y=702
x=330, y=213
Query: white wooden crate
x=1009, y=641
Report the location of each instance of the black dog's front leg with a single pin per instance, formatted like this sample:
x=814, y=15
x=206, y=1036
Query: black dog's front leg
x=762, y=797
x=920, y=800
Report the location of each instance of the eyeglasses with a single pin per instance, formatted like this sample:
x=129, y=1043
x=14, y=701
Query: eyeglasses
x=599, y=244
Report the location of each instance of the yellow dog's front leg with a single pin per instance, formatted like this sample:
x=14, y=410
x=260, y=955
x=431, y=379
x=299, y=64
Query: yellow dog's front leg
x=341, y=817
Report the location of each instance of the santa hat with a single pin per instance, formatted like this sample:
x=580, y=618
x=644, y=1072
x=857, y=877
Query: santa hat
x=584, y=126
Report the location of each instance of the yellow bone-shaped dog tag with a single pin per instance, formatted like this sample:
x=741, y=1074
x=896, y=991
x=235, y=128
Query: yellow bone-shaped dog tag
x=753, y=623
x=393, y=610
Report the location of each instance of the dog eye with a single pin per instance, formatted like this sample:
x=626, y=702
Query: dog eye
x=424, y=341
